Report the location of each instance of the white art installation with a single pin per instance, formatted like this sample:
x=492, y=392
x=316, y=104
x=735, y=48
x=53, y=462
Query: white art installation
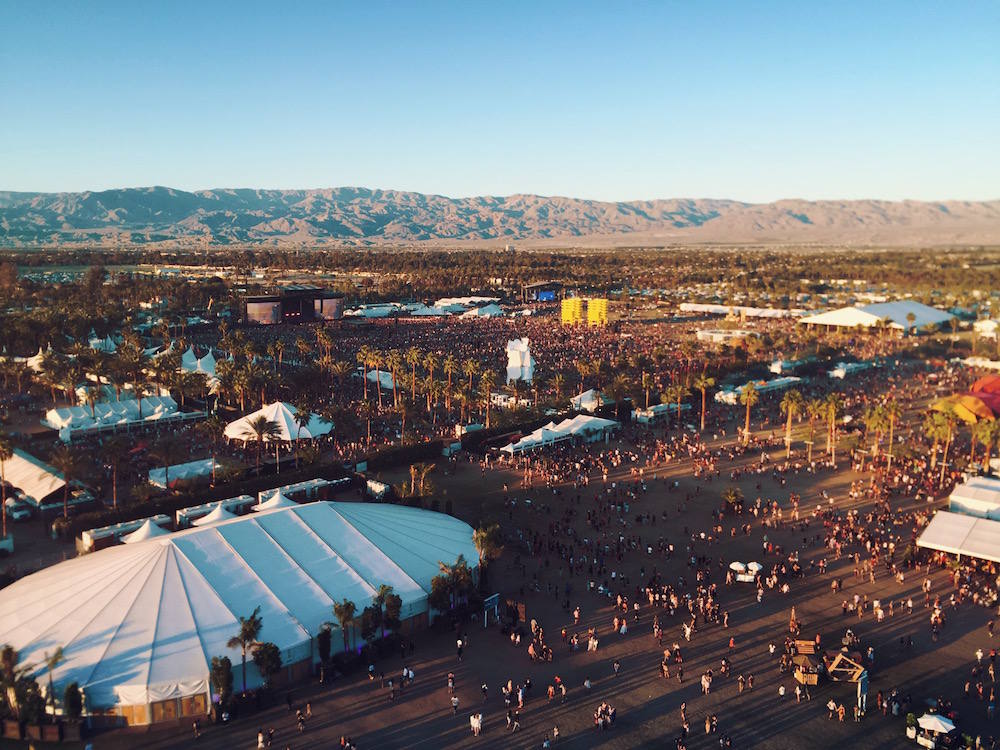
x=520, y=363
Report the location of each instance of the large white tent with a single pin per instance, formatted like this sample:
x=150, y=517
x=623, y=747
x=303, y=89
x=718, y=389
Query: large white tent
x=140, y=623
x=35, y=478
x=107, y=413
x=959, y=534
x=581, y=426
x=895, y=313
x=520, y=363
x=283, y=415
x=979, y=497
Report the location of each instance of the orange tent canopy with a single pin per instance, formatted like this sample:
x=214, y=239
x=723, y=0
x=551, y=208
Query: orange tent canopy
x=987, y=384
x=967, y=406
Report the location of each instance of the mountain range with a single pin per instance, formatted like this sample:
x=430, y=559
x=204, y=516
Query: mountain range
x=361, y=216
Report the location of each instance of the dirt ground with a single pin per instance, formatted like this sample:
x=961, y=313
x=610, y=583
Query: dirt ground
x=647, y=705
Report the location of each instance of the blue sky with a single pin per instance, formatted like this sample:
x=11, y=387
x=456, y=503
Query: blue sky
x=616, y=101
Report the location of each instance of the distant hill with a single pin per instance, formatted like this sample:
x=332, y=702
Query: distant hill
x=359, y=216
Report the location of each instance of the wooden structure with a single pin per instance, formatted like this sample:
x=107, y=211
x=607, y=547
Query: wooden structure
x=806, y=672
x=844, y=666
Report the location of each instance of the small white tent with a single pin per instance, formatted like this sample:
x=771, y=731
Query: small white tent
x=148, y=530
x=217, y=515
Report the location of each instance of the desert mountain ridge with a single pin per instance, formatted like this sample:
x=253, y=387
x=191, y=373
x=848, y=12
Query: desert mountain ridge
x=370, y=217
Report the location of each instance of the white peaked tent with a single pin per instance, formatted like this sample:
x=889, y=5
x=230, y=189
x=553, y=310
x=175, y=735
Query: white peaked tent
x=589, y=400
x=148, y=530
x=520, y=363
x=581, y=426
x=283, y=415
x=896, y=313
x=207, y=364
x=489, y=311
x=217, y=515
x=277, y=500
x=189, y=360
x=140, y=623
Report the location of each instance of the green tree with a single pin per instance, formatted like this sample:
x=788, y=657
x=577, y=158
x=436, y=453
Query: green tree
x=344, y=612
x=221, y=677
x=267, y=658
x=261, y=429
x=6, y=453
x=702, y=383
x=246, y=638
x=749, y=398
x=791, y=406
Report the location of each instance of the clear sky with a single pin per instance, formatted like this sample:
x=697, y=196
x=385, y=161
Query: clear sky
x=748, y=100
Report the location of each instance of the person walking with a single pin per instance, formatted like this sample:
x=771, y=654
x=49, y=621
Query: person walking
x=616, y=667
x=454, y=705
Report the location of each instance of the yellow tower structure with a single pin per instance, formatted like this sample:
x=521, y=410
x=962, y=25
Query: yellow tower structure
x=597, y=311
x=572, y=311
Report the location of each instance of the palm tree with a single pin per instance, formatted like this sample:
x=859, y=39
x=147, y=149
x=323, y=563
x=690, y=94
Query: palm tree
x=834, y=405
x=450, y=366
x=791, y=407
x=558, y=385
x=113, y=452
x=748, y=397
x=51, y=662
x=375, y=363
x=934, y=428
x=64, y=460
x=431, y=363
x=6, y=453
x=363, y=358
x=413, y=357
x=213, y=430
x=486, y=383
x=394, y=361
x=892, y=412
x=584, y=368
x=488, y=543
x=261, y=429
x=815, y=411
x=950, y=422
x=340, y=369
x=303, y=416
x=404, y=409
x=676, y=393
x=470, y=368
x=246, y=638
x=702, y=383
x=344, y=612
x=167, y=451
x=982, y=432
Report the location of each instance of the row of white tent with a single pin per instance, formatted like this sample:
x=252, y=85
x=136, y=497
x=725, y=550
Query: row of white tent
x=581, y=426
x=83, y=417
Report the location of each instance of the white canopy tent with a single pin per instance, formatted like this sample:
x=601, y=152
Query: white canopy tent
x=958, y=534
x=489, y=311
x=140, y=623
x=191, y=470
x=283, y=415
x=36, y=479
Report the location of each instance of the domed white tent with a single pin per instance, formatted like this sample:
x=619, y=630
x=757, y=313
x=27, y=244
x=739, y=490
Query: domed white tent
x=216, y=515
x=148, y=530
x=277, y=500
x=284, y=416
x=140, y=623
